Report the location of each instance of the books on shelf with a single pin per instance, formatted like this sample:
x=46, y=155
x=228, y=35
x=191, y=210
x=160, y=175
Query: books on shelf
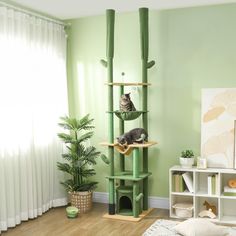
x=188, y=179
x=229, y=191
x=212, y=184
x=182, y=181
x=230, y=194
x=178, y=183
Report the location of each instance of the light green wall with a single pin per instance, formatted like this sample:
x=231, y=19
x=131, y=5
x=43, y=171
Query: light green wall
x=194, y=48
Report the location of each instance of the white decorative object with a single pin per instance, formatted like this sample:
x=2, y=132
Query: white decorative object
x=201, y=163
x=218, y=127
x=200, y=227
x=186, y=162
x=207, y=213
x=225, y=203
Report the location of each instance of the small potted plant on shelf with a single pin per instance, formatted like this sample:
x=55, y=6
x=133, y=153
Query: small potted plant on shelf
x=79, y=161
x=187, y=159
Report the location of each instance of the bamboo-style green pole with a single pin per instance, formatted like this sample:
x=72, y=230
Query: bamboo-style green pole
x=144, y=39
x=110, y=17
x=122, y=129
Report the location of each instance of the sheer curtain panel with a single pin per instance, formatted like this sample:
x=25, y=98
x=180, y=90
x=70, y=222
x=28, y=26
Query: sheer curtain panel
x=33, y=95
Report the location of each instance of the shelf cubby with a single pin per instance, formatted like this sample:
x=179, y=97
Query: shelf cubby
x=224, y=180
x=199, y=204
x=201, y=183
x=228, y=210
x=179, y=199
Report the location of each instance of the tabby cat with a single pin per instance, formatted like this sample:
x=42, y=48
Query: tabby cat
x=126, y=104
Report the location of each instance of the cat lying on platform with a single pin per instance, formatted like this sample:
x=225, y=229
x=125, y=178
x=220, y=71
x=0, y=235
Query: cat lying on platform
x=137, y=135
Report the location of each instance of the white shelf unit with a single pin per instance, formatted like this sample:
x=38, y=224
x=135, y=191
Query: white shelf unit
x=225, y=205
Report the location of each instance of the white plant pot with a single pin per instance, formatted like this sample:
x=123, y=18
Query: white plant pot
x=186, y=162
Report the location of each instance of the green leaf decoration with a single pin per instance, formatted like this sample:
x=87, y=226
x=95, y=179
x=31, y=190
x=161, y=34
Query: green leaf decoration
x=150, y=64
x=105, y=159
x=103, y=62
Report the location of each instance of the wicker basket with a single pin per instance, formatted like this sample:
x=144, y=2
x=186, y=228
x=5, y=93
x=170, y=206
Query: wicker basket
x=81, y=200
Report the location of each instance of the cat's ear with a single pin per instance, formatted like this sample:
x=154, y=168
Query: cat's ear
x=128, y=95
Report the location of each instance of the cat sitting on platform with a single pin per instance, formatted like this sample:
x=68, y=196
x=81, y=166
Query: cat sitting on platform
x=126, y=104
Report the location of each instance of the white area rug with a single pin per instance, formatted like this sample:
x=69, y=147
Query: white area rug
x=162, y=228
x=165, y=228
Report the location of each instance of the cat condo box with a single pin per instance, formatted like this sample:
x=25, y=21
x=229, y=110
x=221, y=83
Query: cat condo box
x=183, y=210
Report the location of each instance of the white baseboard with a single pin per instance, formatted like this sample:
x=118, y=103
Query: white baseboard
x=158, y=202
x=100, y=197
x=60, y=202
x=154, y=202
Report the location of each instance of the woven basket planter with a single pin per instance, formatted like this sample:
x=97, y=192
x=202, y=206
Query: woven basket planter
x=81, y=200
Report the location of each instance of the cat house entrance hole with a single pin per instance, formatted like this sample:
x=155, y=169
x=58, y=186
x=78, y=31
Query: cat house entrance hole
x=125, y=206
x=125, y=200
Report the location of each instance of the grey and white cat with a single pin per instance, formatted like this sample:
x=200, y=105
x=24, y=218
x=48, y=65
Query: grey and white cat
x=126, y=104
x=137, y=135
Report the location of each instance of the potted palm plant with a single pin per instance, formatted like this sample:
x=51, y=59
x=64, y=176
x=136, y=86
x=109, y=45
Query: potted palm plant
x=187, y=159
x=79, y=160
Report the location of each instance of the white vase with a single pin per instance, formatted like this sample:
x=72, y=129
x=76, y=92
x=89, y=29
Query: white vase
x=186, y=162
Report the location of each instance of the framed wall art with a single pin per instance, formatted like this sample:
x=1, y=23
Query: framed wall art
x=218, y=127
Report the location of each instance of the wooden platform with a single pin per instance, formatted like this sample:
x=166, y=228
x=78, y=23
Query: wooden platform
x=128, y=218
x=134, y=145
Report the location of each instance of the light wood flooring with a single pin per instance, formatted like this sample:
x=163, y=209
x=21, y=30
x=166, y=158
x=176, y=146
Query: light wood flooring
x=55, y=222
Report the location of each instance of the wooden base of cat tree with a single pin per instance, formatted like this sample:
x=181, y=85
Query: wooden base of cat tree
x=128, y=218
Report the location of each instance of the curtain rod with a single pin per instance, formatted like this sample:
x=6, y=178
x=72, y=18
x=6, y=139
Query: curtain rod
x=33, y=14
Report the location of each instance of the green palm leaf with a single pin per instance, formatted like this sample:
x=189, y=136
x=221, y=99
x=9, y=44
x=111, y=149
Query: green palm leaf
x=65, y=167
x=65, y=137
x=83, y=137
x=85, y=123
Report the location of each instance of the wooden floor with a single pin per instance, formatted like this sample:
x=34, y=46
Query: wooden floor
x=55, y=222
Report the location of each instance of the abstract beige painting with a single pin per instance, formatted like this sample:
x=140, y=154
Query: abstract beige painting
x=218, y=127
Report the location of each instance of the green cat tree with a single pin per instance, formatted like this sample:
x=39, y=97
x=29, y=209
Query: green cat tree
x=128, y=199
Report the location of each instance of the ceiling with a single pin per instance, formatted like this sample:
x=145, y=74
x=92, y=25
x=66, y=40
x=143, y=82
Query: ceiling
x=68, y=9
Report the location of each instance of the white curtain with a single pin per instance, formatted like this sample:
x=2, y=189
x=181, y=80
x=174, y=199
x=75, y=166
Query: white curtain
x=33, y=95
